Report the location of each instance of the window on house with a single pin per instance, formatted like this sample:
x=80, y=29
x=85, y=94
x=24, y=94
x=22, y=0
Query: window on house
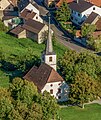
x=59, y=90
x=93, y=8
x=50, y=59
x=51, y=85
x=59, y=97
x=51, y=91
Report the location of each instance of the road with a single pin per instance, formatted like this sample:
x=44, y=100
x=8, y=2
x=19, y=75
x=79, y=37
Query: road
x=61, y=37
x=66, y=41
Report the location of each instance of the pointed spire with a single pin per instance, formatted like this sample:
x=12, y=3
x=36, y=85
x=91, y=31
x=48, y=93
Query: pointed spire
x=49, y=47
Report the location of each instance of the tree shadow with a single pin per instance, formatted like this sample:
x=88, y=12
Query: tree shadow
x=18, y=70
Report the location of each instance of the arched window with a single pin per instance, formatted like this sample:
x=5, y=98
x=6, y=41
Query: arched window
x=51, y=91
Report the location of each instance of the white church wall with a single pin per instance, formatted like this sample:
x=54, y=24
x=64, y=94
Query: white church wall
x=60, y=90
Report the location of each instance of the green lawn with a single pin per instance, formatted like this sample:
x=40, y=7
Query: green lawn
x=11, y=45
x=91, y=112
x=12, y=48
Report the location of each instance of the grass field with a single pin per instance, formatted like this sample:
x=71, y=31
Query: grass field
x=11, y=47
x=91, y=112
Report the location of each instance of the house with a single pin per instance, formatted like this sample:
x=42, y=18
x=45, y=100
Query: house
x=11, y=17
x=95, y=2
x=28, y=4
x=92, y=18
x=28, y=14
x=5, y=5
x=30, y=29
x=45, y=77
x=13, y=2
x=81, y=10
x=97, y=33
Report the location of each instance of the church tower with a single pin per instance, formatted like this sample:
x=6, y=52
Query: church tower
x=49, y=56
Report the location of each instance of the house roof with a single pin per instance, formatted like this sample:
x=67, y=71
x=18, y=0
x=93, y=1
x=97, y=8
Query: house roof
x=9, y=15
x=95, y=2
x=42, y=75
x=91, y=18
x=30, y=25
x=59, y=3
x=23, y=3
x=98, y=24
x=13, y=2
x=18, y=29
x=33, y=26
x=26, y=14
x=80, y=6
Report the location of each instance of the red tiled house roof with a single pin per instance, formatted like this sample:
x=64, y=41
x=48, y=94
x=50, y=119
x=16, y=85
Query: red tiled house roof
x=95, y=2
x=42, y=75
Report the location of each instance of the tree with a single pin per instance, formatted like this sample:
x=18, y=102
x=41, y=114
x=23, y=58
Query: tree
x=83, y=89
x=3, y=27
x=49, y=106
x=63, y=13
x=5, y=103
x=23, y=90
x=35, y=112
x=21, y=101
x=71, y=63
x=66, y=65
x=87, y=30
x=94, y=42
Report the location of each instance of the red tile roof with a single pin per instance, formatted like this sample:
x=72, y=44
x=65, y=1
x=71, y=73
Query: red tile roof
x=42, y=75
x=61, y=1
x=95, y=2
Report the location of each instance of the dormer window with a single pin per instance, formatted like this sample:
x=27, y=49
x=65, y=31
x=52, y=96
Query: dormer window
x=50, y=59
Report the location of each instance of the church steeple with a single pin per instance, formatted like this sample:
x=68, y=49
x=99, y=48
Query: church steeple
x=49, y=47
x=49, y=56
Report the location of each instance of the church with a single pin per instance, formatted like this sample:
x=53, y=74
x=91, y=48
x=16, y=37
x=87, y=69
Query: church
x=45, y=77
